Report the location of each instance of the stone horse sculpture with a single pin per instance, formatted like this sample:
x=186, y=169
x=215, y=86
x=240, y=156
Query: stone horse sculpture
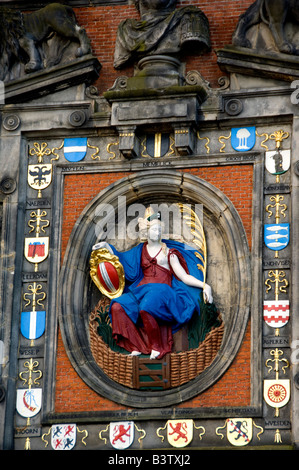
x=276, y=14
x=22, y=36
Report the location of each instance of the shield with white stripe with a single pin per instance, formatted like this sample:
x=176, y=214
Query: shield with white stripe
x=108, y=276
x=107, y=273
x=33, y=324
x=276, y=313
x=75, y=149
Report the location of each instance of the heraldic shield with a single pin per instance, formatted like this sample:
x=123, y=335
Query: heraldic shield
x=107, y=273
x=63, y=436
x=239, y=431
x=277, y=392
x=39, y=175
x=121, y=434
x=180, y=432
x=29, y=402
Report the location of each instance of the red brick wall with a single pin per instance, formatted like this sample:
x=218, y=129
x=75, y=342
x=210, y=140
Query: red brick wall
x=101, y=25
x=234, y=387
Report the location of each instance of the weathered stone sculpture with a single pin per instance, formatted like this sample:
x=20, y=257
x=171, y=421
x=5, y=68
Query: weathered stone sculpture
x=162, y=29
x=270, y=25
x=23, y=39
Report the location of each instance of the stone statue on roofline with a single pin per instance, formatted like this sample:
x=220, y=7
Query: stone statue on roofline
x=163, y=29
x=269, y=26
x=31, y=42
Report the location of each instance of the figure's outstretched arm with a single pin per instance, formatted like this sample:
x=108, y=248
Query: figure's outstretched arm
x=190, y=280
x=103, y=245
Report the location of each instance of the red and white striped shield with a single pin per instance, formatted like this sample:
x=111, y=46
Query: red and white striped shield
x=107, y=272
x=108, y=276
x=276, y=313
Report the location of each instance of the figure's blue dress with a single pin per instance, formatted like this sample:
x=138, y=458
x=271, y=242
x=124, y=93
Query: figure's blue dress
x=156, y=292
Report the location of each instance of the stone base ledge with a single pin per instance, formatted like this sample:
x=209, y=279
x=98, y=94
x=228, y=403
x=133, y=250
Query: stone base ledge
x=250, y=62
x=35, y=85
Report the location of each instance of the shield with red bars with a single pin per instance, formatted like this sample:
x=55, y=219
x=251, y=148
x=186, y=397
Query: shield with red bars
x=276, y=313
x=107, y=273
x=63, y=436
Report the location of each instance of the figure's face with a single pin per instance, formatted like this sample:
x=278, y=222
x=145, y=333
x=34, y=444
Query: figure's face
x=154, y=232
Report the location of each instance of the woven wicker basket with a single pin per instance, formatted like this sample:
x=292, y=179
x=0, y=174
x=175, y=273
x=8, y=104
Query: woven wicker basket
x=184, y=366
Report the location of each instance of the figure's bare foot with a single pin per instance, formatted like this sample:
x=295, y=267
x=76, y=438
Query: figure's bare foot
x=32, y=66
x=154, y=354
x=286, y=48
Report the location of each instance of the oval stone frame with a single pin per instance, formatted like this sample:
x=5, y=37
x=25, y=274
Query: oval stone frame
x=145, y=187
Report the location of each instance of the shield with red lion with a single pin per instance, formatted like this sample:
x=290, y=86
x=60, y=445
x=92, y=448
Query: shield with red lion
x=107, y=273
x=122, y=434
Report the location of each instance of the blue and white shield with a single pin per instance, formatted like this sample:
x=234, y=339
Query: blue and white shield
x=75, y=149
x=276, y=236
x=243, y=138
x=33, y=324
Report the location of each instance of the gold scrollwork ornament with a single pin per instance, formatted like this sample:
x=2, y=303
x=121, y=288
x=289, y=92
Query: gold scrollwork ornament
x=95, y=154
